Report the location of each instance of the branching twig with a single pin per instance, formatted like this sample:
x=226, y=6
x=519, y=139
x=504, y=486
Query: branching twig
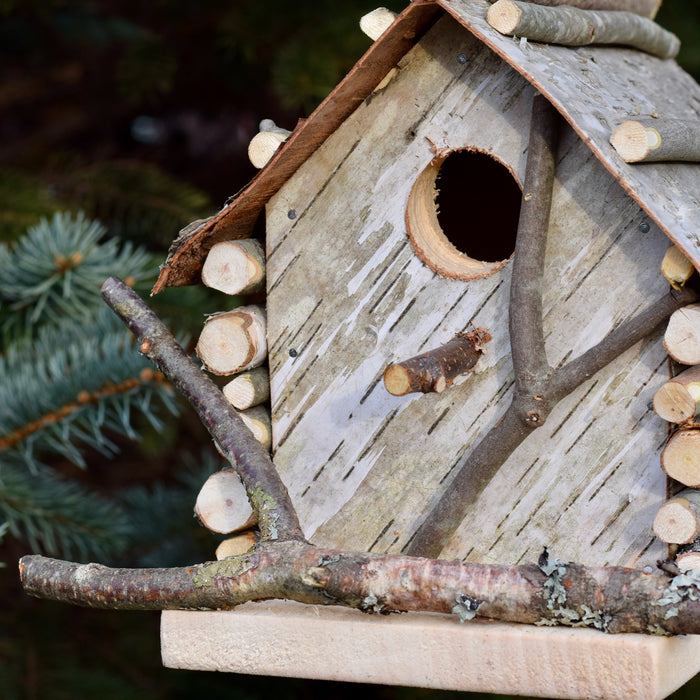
x=611, y=599
x=268, y=496
x=538, y=388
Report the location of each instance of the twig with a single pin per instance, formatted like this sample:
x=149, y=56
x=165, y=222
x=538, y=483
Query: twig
x=537, y=388
x=570, y=26
x=647, y=8
x=612, y=599
x=268, y=496
x=655, y=140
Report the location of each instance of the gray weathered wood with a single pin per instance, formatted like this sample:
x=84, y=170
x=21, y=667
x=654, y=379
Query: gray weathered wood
x=347, y=295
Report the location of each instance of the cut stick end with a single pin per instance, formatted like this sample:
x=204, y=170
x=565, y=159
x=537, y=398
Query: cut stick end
x=376, y=22
x=397, y=380
x=263, y=146
x=676, y=268
x=675, y=523
x=504, y=16
x=674, y=403
x=632, y=141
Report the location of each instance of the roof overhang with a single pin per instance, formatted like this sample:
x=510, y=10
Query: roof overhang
x=595, y=89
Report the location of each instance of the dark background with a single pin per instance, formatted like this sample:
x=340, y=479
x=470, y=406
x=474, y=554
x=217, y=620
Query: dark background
x=140, y=113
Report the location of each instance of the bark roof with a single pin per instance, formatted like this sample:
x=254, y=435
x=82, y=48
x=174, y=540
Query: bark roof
x=595, y=88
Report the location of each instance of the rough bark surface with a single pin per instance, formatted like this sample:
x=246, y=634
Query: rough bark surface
x=552, y=592
x=570, y=26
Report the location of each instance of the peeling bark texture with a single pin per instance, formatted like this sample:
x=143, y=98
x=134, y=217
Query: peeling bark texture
x=267, y=494
x=435, y=370
x=551, y=592
x=647, y=8
x=570, y=26
x=655, y=140
x=537, y=386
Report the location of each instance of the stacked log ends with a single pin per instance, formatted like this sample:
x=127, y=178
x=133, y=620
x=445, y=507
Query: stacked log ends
x=677, y=521
x=248, y=389
x=265, y=143
x=375, y=23
x=235, y=267
x=676, y=268
x=680, y=458
x=678, y=401
x=233, y=341
x=234, y=546
x=258, y=421
x=222, y=504
x=682, y=337
x=688, y=557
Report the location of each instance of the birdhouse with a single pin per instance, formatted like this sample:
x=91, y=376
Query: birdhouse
x=390, y=291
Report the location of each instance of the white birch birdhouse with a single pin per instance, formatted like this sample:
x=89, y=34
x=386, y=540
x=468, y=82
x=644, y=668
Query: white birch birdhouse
x=391, y=220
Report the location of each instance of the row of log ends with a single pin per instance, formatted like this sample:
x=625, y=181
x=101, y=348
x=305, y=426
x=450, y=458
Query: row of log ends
x=678, y=402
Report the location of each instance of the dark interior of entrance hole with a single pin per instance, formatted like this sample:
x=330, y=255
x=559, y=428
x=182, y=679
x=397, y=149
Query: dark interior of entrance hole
x=478, y=205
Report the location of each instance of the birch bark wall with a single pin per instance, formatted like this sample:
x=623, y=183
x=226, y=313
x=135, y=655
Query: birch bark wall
x=347, y=296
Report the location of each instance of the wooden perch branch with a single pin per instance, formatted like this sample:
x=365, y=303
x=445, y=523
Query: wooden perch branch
x=538, y=387
x=647, y=8
x=435, y=370
x=655, y=140
x=551, y=592
x=267, y=494
x=570, y=26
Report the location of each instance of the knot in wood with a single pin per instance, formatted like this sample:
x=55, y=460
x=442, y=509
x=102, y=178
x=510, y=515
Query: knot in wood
x=534, y=418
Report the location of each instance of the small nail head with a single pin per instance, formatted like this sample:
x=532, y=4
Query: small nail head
x=292, y=214
x=293, y=352
x=644, y=227
x=462, y=58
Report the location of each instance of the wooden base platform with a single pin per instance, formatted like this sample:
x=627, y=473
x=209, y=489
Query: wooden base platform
x=283, y=638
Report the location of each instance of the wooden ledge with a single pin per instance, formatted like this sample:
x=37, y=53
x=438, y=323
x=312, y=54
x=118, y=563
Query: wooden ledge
x=283, y=638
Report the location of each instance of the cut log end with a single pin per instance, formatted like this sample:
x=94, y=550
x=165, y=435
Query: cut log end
x=682, y=336
x=676, y=523
x=233, y=341
x=222, y=504
x=633, y=141
x=676, y=267
x=504, y=16
x=263, y=146
x=248, y=389
x=688, y=561
x=376, y=22
x=680, y=458
x=235, y=546
x=235, y=267
x=258, y=421
x=678, y=401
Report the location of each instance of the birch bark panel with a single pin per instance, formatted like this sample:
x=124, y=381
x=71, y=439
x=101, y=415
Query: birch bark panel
x=597, y=89
x=348, y=296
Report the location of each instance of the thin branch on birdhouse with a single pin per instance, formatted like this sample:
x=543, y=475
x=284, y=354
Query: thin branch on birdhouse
x=435, y=370
x=233, y=341
x=680, y=459
x=570, y=26
x=678, y=520
x=266, y=492
x=538, y=388
x=678, y=400
x=235, y=267
x=646, y=8
x=551, y=592
x=682, y=337
x=656, y=140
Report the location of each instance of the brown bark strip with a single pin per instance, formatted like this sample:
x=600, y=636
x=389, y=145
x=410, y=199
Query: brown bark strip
x=435, y=370
x=646, y=8
x=538, y=388
x=551, y=592
x=147, y=376
x=267, y=494
x=570, y=26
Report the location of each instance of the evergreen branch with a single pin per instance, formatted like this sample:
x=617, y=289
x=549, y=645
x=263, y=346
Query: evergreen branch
x=56, y=269
x=56, y=515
